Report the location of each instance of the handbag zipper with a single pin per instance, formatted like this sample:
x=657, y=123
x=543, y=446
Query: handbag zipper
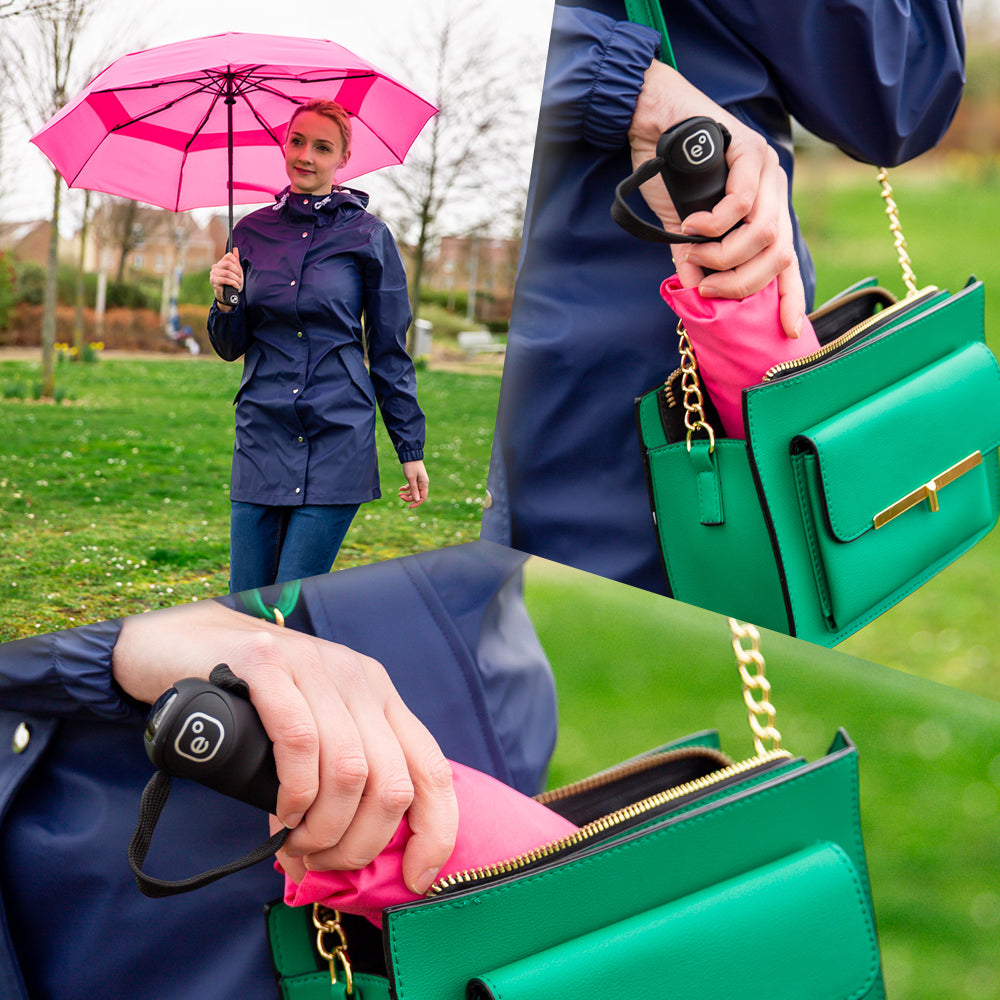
x=865, y=326
x=606, y=823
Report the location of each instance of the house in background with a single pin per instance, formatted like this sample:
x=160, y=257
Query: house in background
x=153, y=241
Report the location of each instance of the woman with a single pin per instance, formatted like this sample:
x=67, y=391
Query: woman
x=309, y=268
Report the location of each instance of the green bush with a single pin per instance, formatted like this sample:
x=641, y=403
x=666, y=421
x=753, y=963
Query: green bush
x=195, y=289
x=30, y=282
x=8, y=289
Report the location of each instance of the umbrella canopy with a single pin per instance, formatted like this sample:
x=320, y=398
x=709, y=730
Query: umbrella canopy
x=195, y=123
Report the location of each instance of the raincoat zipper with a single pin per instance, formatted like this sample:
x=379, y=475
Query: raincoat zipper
x=856, y=331
x=606, y=823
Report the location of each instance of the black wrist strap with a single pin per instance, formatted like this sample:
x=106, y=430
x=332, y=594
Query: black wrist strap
x=154, y=797
x=631, y=222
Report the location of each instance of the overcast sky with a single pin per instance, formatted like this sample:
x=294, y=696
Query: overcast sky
x=361, y=26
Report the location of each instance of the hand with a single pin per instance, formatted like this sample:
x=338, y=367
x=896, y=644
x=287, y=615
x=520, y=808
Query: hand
x=756, y=193
x=351, y=758
x=227, y=271
x=414, y=493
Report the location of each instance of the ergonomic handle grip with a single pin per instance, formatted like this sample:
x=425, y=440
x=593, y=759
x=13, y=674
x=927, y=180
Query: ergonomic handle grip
x=214, y=736
x=691, y=160
x=230, y=296
x=694, y=167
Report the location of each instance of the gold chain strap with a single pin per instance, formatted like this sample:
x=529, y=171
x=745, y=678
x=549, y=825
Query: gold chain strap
x=694, y=403
x=891, y=209
x=327, y=922
x=761, y=714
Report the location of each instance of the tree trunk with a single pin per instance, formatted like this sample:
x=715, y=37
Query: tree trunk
x=51, y=293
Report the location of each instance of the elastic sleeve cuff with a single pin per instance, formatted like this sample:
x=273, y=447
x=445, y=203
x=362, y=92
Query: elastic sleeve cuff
x=595, y=71
x=410, y=455
x=629, y=49
x=65, y=672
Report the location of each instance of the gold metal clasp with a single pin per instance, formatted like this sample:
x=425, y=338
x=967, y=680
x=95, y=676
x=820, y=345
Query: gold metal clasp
x=929, y=491
x=327, y=922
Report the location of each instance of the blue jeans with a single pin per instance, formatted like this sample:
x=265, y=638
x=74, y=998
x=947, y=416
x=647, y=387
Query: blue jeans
x=277, y=544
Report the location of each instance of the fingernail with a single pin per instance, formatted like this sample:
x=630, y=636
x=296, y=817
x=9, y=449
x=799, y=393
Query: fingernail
x=422, y=884
x=293, y=821
x=797, y=329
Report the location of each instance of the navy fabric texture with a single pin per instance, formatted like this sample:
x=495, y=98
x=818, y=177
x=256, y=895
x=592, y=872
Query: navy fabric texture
x=315, y=267
x=452, y=631
x=589, y=331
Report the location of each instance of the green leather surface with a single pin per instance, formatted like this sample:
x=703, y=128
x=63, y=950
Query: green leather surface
x=798, y=929
x=317, y=986
x=302, y=975
x=871, y=455
x=777, y=411
x=727, y=566
x=514, y=918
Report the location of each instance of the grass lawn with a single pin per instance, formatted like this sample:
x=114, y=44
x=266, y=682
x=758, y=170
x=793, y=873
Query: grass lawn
x=634, y=672
x=948, y=630
x=117, y=500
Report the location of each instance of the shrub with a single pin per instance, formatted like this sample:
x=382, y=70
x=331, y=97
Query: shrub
x=8, y=289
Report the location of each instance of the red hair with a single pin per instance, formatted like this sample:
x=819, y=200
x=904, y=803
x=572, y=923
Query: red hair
x=332, y=110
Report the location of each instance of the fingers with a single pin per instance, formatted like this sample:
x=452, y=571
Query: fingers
x=433, y=816
x=226, y=272
x=415, y=492
x=352, y=760
x=791, y=301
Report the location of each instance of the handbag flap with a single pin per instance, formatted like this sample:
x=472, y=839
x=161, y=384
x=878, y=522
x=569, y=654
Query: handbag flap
x=801, y=922
x=923, y=431
x=722, y=840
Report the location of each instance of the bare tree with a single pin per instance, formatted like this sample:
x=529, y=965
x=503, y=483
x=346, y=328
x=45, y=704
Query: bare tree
x=14, y=8
x=38, y=68
x=469, y=166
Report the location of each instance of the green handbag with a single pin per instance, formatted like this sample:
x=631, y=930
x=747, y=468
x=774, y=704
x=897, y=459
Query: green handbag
x=854, y=486
x=687, y=868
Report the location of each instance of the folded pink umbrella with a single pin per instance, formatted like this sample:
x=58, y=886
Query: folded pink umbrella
x=495, y=824
x=735, y=341
x=194, y=123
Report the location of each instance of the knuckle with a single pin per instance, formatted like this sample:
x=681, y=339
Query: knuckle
x=395, y=795
x=351, y=770
x=301, y=737
x=438, y=774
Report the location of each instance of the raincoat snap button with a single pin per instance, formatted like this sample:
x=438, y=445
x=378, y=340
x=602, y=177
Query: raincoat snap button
x=299, y=334
x=293, y=282
x=22, y=737
x=488, y=502
x=297, y=490
x=304, y=235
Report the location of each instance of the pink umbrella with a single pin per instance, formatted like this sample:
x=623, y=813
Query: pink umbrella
x=160, y=126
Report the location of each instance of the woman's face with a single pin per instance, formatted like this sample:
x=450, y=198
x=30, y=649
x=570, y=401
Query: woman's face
x=314, y=151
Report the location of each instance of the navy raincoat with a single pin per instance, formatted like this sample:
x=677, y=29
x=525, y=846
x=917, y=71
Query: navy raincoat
x=463, y=655
x=315, y=267
x=589, y=331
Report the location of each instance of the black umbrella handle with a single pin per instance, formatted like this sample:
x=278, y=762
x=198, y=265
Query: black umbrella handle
x=230, y=296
